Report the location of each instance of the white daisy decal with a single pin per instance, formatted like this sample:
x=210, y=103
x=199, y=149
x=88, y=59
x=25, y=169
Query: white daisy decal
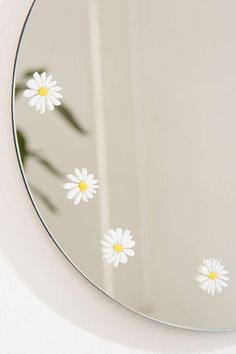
x=82, y=186
x=43, y=92
x=118, y=246
x=213, y=276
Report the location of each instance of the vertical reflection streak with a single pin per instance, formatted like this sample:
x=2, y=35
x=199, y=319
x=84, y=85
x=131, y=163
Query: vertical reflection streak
x=99, y=116
x=139, y=115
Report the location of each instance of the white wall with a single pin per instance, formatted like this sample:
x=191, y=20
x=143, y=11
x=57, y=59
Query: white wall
x=28, y=326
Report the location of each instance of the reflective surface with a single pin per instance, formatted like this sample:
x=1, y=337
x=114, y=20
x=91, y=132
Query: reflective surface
x=145, y=117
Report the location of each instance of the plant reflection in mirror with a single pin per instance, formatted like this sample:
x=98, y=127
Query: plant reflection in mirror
x=26, y=152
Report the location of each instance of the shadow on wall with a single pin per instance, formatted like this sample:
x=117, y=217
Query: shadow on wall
x=28, y=152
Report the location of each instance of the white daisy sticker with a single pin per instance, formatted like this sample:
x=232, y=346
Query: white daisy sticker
x=118, y=246
x=82, y=186
x=43, y=92
x=213, y=276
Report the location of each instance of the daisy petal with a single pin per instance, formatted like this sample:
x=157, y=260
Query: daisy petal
x=92, y=191
x=34, y=100
x=54, y=100
x=72, y=178
x=106, y=244
x=223, y=277
x=39, y=103
x=123, y=258
x=201, y=278
x=222, y=272
x=218, y=286
x=222, y=283
x=107, y=250
x=78, y=174
x=77, y=198
x=48, y=80
x=55, y=89
x=94, y=186
x=90, y=179
x=204, y=270
x=116, y=260
x=29, y=93
x=43, y=78
x=43, y=106
x=37, y=79
x=33, y=85
x=72, y=193
x=108, y=257
x=69, y=185
x=129, y=252
x=55, y=94
x=109, y=239
x=84, y=173
x=84, y=197
x=128, y=244
x=214, y=264
x=211, y=289
x=51, y=85
x=112, y=258
x=50, y=105
x=205, y=284
x=89, y=194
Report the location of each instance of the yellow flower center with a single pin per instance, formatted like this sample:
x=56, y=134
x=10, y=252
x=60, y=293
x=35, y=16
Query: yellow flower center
x=212, y=275
x=118, y=247
x=43, y=91
x=83, y=186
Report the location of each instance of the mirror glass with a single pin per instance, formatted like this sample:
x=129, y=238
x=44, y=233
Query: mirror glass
x=125, y=119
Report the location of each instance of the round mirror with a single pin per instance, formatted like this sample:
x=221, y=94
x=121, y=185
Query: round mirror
x=125, y=124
